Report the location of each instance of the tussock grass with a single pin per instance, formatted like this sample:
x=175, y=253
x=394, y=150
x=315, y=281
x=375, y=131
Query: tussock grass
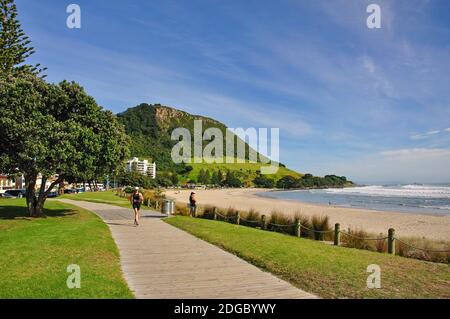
x=208, y=211
x=281, y=223
x=252, y=218
x=181, y=209
x=432, y=247
x=321, y=224
x=305, y=222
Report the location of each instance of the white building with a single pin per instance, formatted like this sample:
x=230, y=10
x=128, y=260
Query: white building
x=143, y=167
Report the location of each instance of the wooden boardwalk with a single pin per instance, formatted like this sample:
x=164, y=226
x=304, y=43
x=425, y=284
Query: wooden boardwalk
x=162, y=261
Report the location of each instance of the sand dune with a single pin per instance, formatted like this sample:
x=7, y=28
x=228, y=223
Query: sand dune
x=420, y=225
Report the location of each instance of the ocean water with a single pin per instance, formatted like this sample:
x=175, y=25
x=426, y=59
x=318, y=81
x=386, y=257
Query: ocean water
x=415, y=198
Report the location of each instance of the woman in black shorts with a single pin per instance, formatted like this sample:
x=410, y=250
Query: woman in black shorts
x=136, y=200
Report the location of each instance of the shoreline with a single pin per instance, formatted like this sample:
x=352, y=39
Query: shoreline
x=430, y=226
x=261, y=194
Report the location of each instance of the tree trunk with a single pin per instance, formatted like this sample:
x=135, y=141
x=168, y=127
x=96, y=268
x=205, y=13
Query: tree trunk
x=30, y=182
x=61, y=187
x=35, y=203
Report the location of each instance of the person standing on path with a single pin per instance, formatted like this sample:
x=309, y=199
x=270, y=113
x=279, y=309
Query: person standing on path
x=192, y=205
x=136, y=200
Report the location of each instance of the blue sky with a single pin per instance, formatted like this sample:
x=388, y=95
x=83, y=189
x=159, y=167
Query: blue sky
x=371, y=104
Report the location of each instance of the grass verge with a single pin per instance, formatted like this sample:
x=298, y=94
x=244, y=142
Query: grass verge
x=35, y=253
x=108, y=197
x=328, y=271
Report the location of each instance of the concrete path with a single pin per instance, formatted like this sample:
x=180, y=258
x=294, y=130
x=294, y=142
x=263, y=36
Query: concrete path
x=161, y=261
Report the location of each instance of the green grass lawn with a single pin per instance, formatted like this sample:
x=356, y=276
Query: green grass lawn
x=35, y=253
x=108, y=197
x=328, y=271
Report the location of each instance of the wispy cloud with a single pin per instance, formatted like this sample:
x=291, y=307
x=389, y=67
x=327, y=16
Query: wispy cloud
x=426, y=135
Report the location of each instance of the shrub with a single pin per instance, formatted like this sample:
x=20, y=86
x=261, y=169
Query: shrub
x=251, y=218
x=208, y=212
x=181, y=209
x=282, y=223
x=305, y=223
x=153, y=198
x=356, y=238
x=321, y=224
x=430, y=248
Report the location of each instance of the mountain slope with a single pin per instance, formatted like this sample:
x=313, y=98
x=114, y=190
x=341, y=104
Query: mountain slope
x=150, y=127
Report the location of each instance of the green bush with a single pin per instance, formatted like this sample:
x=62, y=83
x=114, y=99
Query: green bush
x=251, y=218
x=281, y=223
x=321, y=224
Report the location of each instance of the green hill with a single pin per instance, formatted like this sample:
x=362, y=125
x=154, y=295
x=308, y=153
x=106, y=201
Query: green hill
x=150, y=128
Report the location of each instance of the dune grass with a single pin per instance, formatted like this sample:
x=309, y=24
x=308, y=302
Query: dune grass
x=35, y=253
x=328, y=271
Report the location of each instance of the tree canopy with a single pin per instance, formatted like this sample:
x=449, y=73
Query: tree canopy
x=57, y=130
x=15, y=46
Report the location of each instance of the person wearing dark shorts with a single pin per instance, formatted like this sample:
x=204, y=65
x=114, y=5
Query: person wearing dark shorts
x=136, y=200
x=192, y=204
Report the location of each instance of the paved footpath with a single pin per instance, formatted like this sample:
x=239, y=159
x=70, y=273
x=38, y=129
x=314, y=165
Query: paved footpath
x=162, y=261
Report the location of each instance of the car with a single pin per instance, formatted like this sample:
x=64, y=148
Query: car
x=52, y=195
x=4, y=195
x=70, y=191
x=17, y=193
x=81, y=190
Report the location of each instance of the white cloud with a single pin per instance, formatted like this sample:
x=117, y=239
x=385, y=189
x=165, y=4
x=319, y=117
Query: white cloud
x=425, y=135
x=416, y=152
x=447, y=129
x=420, y=165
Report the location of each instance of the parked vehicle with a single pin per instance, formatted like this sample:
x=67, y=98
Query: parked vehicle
x=52, y=194
x=70, y=191
x=80, y=190
x=4, y=195
x=17, y=193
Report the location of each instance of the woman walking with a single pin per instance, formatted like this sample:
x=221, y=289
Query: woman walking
x=136, y=200
x=192, y=205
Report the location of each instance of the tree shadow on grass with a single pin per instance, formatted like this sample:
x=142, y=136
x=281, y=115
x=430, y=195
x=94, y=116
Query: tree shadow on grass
x=20, y=212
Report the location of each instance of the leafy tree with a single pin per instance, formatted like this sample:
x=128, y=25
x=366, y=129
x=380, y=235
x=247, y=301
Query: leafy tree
x=201, y=176
x=287, y=182
x=215, y=179
x=14, y=44
x=56, y=130
x=207, y=177
x=231, y=180
x=174, y=179
x=263, y=181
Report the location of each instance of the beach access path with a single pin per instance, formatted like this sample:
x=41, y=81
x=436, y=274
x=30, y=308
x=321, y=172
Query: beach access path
x=160, y=261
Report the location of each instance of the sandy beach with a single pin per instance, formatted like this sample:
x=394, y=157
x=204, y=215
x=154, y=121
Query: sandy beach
x=405, y=224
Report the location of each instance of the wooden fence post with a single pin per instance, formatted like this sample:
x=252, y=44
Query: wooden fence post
x=337, y=234
x=214, y=213
x=238, y=218
x=298, y=228
x=263, y=221
x=391, y=243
